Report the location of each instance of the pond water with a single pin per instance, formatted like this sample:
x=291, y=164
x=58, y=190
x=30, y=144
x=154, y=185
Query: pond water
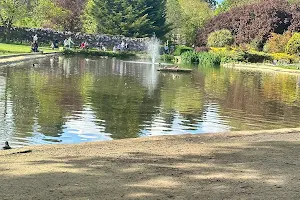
x=73, y=100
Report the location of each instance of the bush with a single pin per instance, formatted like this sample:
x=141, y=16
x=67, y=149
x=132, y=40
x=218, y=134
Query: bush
x=256, y=57
x=180, y=49
x=220, y=38
x=203, y=58
x=285, y=58
x=209, y=59
x=277, y=42
x=167, y=57
x=293, y=45
x=121, y=54
x=189, y=57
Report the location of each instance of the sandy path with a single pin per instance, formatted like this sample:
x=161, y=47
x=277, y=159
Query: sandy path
x=241, y=165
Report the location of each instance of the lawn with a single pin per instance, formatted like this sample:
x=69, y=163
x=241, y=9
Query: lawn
x=6, y=49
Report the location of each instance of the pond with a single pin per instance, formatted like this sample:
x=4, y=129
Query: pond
x=73, y=100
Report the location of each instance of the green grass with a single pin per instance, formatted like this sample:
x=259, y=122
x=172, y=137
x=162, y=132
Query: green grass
x=13, y=48
x=7, y=49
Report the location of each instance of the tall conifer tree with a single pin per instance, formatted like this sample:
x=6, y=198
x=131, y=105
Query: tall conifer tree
x=133, y=18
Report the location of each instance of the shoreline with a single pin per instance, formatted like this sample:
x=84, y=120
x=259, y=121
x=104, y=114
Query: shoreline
x=16, y=58
x=234, y=165
x=260, y=67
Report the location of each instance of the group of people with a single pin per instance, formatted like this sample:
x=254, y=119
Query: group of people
x=120, y=47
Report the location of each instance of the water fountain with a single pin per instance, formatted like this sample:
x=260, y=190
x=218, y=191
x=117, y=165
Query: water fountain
x=153, y=48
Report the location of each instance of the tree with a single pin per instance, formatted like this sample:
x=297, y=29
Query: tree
x=133, y=18
x=41, y=14
x=10, y=11
x=186, y=16
x=89, y=22
x=226, y=5
x=72, y=20
x=220, y=38
x=252, y=22
x=293, y=45
x=277, y=42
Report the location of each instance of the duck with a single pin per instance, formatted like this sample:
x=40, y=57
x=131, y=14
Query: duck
x=6, y=147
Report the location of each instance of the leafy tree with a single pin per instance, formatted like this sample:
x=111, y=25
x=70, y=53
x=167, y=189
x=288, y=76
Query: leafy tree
x=226, y=5
x=293, y=45
x=174, y=17
x=256, y=21
x=88, y=20
x=138, y=18
x=41, y=14
x=186, y=16
x=220, y=38
x=277, y=42
x=10, y=11
x=72, y=20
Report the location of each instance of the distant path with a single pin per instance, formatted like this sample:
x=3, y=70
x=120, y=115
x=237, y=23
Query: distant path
x=260, y=67
x=228, y=166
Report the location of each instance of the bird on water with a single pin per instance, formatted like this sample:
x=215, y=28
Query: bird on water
x=6, y=146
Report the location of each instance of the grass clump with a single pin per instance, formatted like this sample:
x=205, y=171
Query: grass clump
x=202, y=58
x=119, y=54
x=209, y=59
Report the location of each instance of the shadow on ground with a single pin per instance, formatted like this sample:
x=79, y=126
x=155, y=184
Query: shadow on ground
x=260, y=170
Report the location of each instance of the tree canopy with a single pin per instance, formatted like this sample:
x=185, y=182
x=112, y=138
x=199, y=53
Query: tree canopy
x=137, y=18
x=254, y=22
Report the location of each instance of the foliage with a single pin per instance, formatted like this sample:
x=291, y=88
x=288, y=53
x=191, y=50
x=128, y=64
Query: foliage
x=255, y=21
x=220, y=38
x=238, y=55
x=180, y=49
x=284, y=57
x=293, y=45
x=186, y=16
x=209, y=59
x=277, y=42
x=89, y=22
x=230, y=56
x=10, y=11
x=72, y=20
x=195, y=14
x=167, y=57
x=122, y=17
x=121, y=54
x=42, y=14
x=226, y=5
x=203, y=58
x=256, y=57
x=189, y=57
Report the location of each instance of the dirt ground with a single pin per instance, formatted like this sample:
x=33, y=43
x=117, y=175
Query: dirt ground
x=237, y=165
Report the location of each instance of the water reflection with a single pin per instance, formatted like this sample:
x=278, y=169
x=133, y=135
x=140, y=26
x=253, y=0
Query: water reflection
x=71, y=100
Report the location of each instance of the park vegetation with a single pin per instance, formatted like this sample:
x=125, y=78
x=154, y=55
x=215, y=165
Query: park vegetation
x=230, y=31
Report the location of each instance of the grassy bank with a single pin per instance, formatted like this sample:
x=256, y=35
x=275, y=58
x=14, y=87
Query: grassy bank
x=92, y=52
x=7, y=49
